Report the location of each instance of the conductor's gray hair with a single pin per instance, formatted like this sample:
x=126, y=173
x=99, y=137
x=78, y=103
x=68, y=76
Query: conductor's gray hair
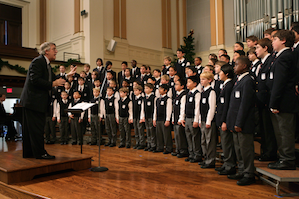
x=45, y=46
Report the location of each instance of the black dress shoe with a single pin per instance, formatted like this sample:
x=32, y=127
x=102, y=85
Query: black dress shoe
x=140, y=147
x=102, y=142
x=166, y=152
x=112, y=145
x=92, y=143
x=128, y=146
x=236, y=176
x=174, y=153
x=195, y=160
x=180, y=155
x=136, y=146
x=107, y=144
x=151, y=149
x=121, y=146
x=74, y=143
x=65, y=143
x=62, y=143
x=246, y=181
x=207, y=166
x=157, y=151
x=145, y=149
x=264, y=158
x=282, y=165
x=220, y=168
x=46, y=156
x=227, y=172
x=201, y=163
x=188, y=159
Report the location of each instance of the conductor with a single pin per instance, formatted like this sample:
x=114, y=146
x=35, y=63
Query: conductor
x=35, y=99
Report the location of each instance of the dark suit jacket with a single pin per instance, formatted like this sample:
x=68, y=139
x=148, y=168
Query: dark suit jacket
x=101, y=73
x=283, y=97
x=136, y=74
x=120, y=79
x=35, y=95
x=241, y=106
x=223, y=103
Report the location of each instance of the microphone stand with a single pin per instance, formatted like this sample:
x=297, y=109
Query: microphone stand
x=99, y=168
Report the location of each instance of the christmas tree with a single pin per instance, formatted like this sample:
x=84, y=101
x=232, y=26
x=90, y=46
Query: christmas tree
x=188, y=48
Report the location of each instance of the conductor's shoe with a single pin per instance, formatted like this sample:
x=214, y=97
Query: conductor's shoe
x=246, y=181
x=46, y=156
x=237, y=176
x=121, y=146
x=74, y=143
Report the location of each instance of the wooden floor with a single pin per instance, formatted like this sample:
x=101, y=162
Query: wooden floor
x=134, y=174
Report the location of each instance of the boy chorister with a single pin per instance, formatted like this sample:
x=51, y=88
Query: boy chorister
x=161, y=120
x=206, y=120
x=268, y=141
x=240, y=120
x=255, y=62
x=93, y=117
x=137, y=101
x=62, y=117
x=157, y=76
x=109, y=111
x=191, y=121
x=283, y=101
x=76, y=121
x=125, y=118
x=167, y=62
x=148, y=111
x=226, y=75
x=178, y=115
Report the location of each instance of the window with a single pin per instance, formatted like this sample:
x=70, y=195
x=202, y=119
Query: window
x=10, y=25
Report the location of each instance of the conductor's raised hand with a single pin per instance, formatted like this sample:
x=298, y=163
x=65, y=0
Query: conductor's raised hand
x=58, y=82
x=72, y=72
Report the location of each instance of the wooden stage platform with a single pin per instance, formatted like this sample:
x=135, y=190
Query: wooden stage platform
x=15, y=169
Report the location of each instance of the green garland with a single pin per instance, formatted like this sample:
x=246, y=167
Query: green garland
x=22, y=70
x=16, y=67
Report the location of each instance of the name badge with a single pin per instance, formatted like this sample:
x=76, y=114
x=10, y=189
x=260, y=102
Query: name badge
x=183, y=64
x=177, y=102
x=136, y=76
x=263, y=76
x=253, y=69
x=172, y=83
x=85, y=94
x=271, y=75
x=110, y=103
x=204, y=100
x=59, y=90
x=221, y=86
x=149, y=103
x=222, y=100
x=131, y=84
x=97, y=102
x=237, y=94
x=139, y=102
x=53, y=96
x=75, y=78
x=123, y=106
x=157, y=86
x=162, y=103
x=167, y=72
x=144, y=82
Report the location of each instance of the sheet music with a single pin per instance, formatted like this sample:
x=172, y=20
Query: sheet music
x=84, y=106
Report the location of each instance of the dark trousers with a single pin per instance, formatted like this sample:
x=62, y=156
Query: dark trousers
x=76, y=130
x=193, y=136
x=244, y=148
x=64, y=129
x=125, y=131
x=150, y=133
x=227, y=143
x=268, y=141
x=33, y=135
x=111, y=128
x=164, y=137
x=180, y=139
x=50, y=131
x=284, y=128
x=95, y=128
x=139, y=132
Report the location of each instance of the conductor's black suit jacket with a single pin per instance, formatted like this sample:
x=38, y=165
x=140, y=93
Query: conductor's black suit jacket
x=35, y=95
